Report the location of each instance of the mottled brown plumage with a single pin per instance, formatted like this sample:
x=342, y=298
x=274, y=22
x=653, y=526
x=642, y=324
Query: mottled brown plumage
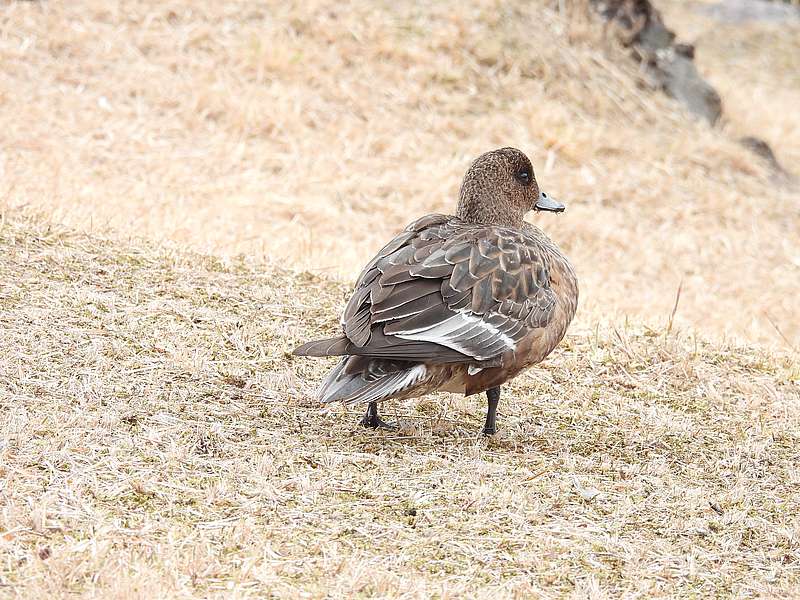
x=457, y=303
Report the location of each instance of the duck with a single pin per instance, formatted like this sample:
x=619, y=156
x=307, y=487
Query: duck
x=457, y=303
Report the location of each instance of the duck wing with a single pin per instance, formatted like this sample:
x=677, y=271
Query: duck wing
x=449, y=291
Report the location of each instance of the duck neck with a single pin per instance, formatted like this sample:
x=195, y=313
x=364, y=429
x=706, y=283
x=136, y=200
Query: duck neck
x=485, y=207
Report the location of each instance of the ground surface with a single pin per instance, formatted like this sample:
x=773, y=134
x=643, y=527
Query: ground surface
x=157, y=440
x=310, y=132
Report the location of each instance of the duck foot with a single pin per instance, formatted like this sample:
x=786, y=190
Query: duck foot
x=373, y=421
x=493, y=397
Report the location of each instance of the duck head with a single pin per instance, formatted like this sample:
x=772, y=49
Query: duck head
x=499, y=188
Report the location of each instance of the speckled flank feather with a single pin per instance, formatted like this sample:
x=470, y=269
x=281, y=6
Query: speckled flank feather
x=461, y=303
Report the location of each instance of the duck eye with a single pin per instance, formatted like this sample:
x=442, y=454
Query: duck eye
x=524, y=176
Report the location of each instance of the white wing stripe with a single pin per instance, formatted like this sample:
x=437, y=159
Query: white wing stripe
x=451, y=333
x=428, y=328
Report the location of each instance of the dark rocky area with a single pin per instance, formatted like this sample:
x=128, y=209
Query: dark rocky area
x=669, y=64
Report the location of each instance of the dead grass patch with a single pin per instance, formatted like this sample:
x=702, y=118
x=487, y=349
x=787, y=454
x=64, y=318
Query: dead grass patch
x=156, y=440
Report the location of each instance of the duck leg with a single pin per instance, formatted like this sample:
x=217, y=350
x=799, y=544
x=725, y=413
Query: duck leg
x=493, y=396
x=372, y=420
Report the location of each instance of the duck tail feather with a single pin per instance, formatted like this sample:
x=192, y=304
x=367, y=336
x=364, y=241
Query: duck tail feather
x=353, y=385
x=328, y=347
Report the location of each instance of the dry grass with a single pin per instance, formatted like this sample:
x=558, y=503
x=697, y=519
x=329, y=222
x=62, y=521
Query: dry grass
x=281, y=130
x=156, y=441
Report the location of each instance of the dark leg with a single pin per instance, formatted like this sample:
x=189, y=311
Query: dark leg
x=493, y=396
x=372, y=420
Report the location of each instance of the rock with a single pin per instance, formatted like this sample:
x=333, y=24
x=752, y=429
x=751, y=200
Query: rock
x=763, y=150
x=669, y=65
x=679, y=78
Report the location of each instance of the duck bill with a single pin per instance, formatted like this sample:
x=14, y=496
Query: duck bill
x=547, y=203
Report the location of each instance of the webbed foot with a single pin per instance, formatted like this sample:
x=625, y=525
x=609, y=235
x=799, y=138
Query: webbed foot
x=373, y=421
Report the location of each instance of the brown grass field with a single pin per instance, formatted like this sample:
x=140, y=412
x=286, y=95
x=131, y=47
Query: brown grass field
x=186, y=192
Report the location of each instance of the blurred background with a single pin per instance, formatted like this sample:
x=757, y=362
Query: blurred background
x=308, y=133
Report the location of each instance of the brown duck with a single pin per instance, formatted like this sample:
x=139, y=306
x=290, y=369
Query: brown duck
x=456, y=303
